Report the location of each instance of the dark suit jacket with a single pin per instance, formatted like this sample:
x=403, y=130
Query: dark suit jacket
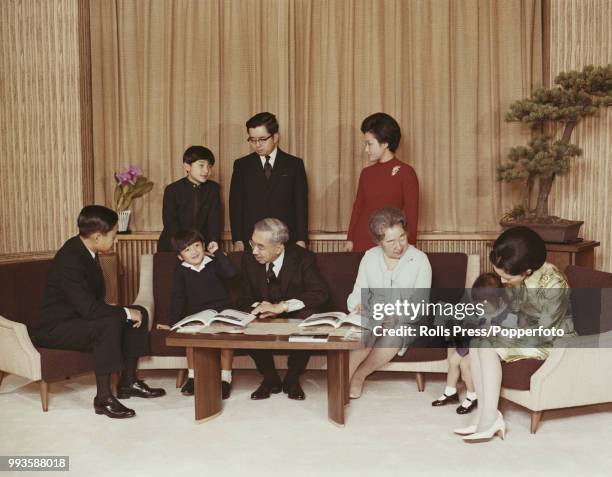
x=75, y=288
x=284, y=196
x=178, y=213
x=299, y=278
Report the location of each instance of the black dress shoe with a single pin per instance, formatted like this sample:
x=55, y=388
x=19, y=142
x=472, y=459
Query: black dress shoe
x=139, y=389
x=265, y=389
x=226, y=389
x=293, y=390
x=187, y=389
x=467, y=409
x=112, y=408
x=445, y=400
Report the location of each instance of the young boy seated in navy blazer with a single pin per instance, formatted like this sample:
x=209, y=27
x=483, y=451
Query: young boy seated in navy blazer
x=197, y=286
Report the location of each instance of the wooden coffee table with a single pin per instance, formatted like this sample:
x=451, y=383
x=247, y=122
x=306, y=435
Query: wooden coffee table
x=207, y=366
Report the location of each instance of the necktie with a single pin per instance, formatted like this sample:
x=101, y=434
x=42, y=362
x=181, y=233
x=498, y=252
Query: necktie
x=274, y=288
x=270, y=275
x=268, y=168
x=97, y=260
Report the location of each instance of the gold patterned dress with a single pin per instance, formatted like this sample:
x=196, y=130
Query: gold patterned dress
x=542, y=300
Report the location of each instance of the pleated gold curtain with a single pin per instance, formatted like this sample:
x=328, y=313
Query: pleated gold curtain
x=167, y=75
x=581, y=34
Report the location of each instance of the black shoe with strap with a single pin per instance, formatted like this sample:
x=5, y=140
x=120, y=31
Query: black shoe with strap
x=469, y=408
x=187, y=389
x=445, y=399
x=226, y=389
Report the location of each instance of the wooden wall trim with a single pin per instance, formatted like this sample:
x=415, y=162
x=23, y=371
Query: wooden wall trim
x=337, y=236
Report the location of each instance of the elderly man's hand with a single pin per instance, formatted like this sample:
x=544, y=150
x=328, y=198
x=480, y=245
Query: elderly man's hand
x=267, y=310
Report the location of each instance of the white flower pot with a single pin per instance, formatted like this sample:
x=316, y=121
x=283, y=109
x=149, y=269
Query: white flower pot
x=124, y=220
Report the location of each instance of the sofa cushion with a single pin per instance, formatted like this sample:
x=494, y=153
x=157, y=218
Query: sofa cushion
x=157, y=342
x=59, y=364
x=517, y=375
x=448, y=272
x=591, y=299
x=339, y=269
x=23, y=286
x=420, y=354
x=8, y=304
x=164, y=264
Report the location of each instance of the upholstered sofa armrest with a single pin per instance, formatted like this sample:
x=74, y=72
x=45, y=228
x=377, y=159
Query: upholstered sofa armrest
x=472, y=271
x=574, y=376
x=17, y=353
x=145, y=288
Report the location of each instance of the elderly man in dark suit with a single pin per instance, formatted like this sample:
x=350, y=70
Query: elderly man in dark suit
x=268, y=183
x=75, y=316
x=280, y=279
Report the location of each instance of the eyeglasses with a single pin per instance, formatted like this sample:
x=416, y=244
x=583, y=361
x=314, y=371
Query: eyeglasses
x=258, y=140
x=257, y=246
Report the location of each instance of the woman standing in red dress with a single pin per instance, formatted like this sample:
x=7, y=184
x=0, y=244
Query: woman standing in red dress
x=388, y=182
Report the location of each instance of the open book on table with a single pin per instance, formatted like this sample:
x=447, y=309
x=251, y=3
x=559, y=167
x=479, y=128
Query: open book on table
x=206, y=317
x=336, y=319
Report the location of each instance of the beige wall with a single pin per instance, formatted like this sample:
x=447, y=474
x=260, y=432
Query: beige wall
x=581, y=34
x=40, y=148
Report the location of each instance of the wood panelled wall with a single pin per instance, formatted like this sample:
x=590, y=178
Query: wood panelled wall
x=581, y=34
x=40, y=124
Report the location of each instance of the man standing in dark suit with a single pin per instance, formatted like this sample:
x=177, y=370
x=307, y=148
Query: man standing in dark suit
x=74, y=315
x=268, y=183
x=280, y=278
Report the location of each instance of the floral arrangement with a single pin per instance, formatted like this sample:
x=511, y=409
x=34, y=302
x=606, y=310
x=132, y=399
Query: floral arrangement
x=131, y=184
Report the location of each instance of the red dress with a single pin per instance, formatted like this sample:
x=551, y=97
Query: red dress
x=390, y=184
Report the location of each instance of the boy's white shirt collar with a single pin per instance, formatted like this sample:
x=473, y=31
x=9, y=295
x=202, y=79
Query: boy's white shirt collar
x=272, y=157
x=200, y=267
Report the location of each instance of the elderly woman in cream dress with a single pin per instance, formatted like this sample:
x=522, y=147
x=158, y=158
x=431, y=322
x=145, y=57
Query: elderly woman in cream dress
x=539, y=295
x=393, y=270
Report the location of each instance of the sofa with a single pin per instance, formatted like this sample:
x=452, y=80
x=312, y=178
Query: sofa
x=581, y=373
x=21, y=292
x=451, y=273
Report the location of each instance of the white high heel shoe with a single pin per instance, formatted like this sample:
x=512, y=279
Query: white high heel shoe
x=464, y=431
x=498, y=427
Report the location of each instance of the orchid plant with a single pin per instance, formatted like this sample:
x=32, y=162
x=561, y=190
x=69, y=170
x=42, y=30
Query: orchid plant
x=131, y=184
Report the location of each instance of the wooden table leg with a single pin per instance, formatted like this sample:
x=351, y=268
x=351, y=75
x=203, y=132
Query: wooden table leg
x=207, y=382
x=345, y=376
x=335, y=386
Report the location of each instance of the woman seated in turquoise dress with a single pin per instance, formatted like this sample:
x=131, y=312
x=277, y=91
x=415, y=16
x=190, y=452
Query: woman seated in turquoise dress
x=539, y=296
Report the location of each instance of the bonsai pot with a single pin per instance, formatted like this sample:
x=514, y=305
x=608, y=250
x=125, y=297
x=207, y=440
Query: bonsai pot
x=562, y=232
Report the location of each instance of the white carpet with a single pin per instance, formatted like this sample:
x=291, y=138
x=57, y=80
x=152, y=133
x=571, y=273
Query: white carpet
x=391, y=430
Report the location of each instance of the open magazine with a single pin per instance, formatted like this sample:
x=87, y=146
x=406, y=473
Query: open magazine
x=336, y=319
x=206, y=317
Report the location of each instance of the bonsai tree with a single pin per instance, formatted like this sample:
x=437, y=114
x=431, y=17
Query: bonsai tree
x=552, y=112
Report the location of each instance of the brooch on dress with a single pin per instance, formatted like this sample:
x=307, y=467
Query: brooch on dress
x=395, y=170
